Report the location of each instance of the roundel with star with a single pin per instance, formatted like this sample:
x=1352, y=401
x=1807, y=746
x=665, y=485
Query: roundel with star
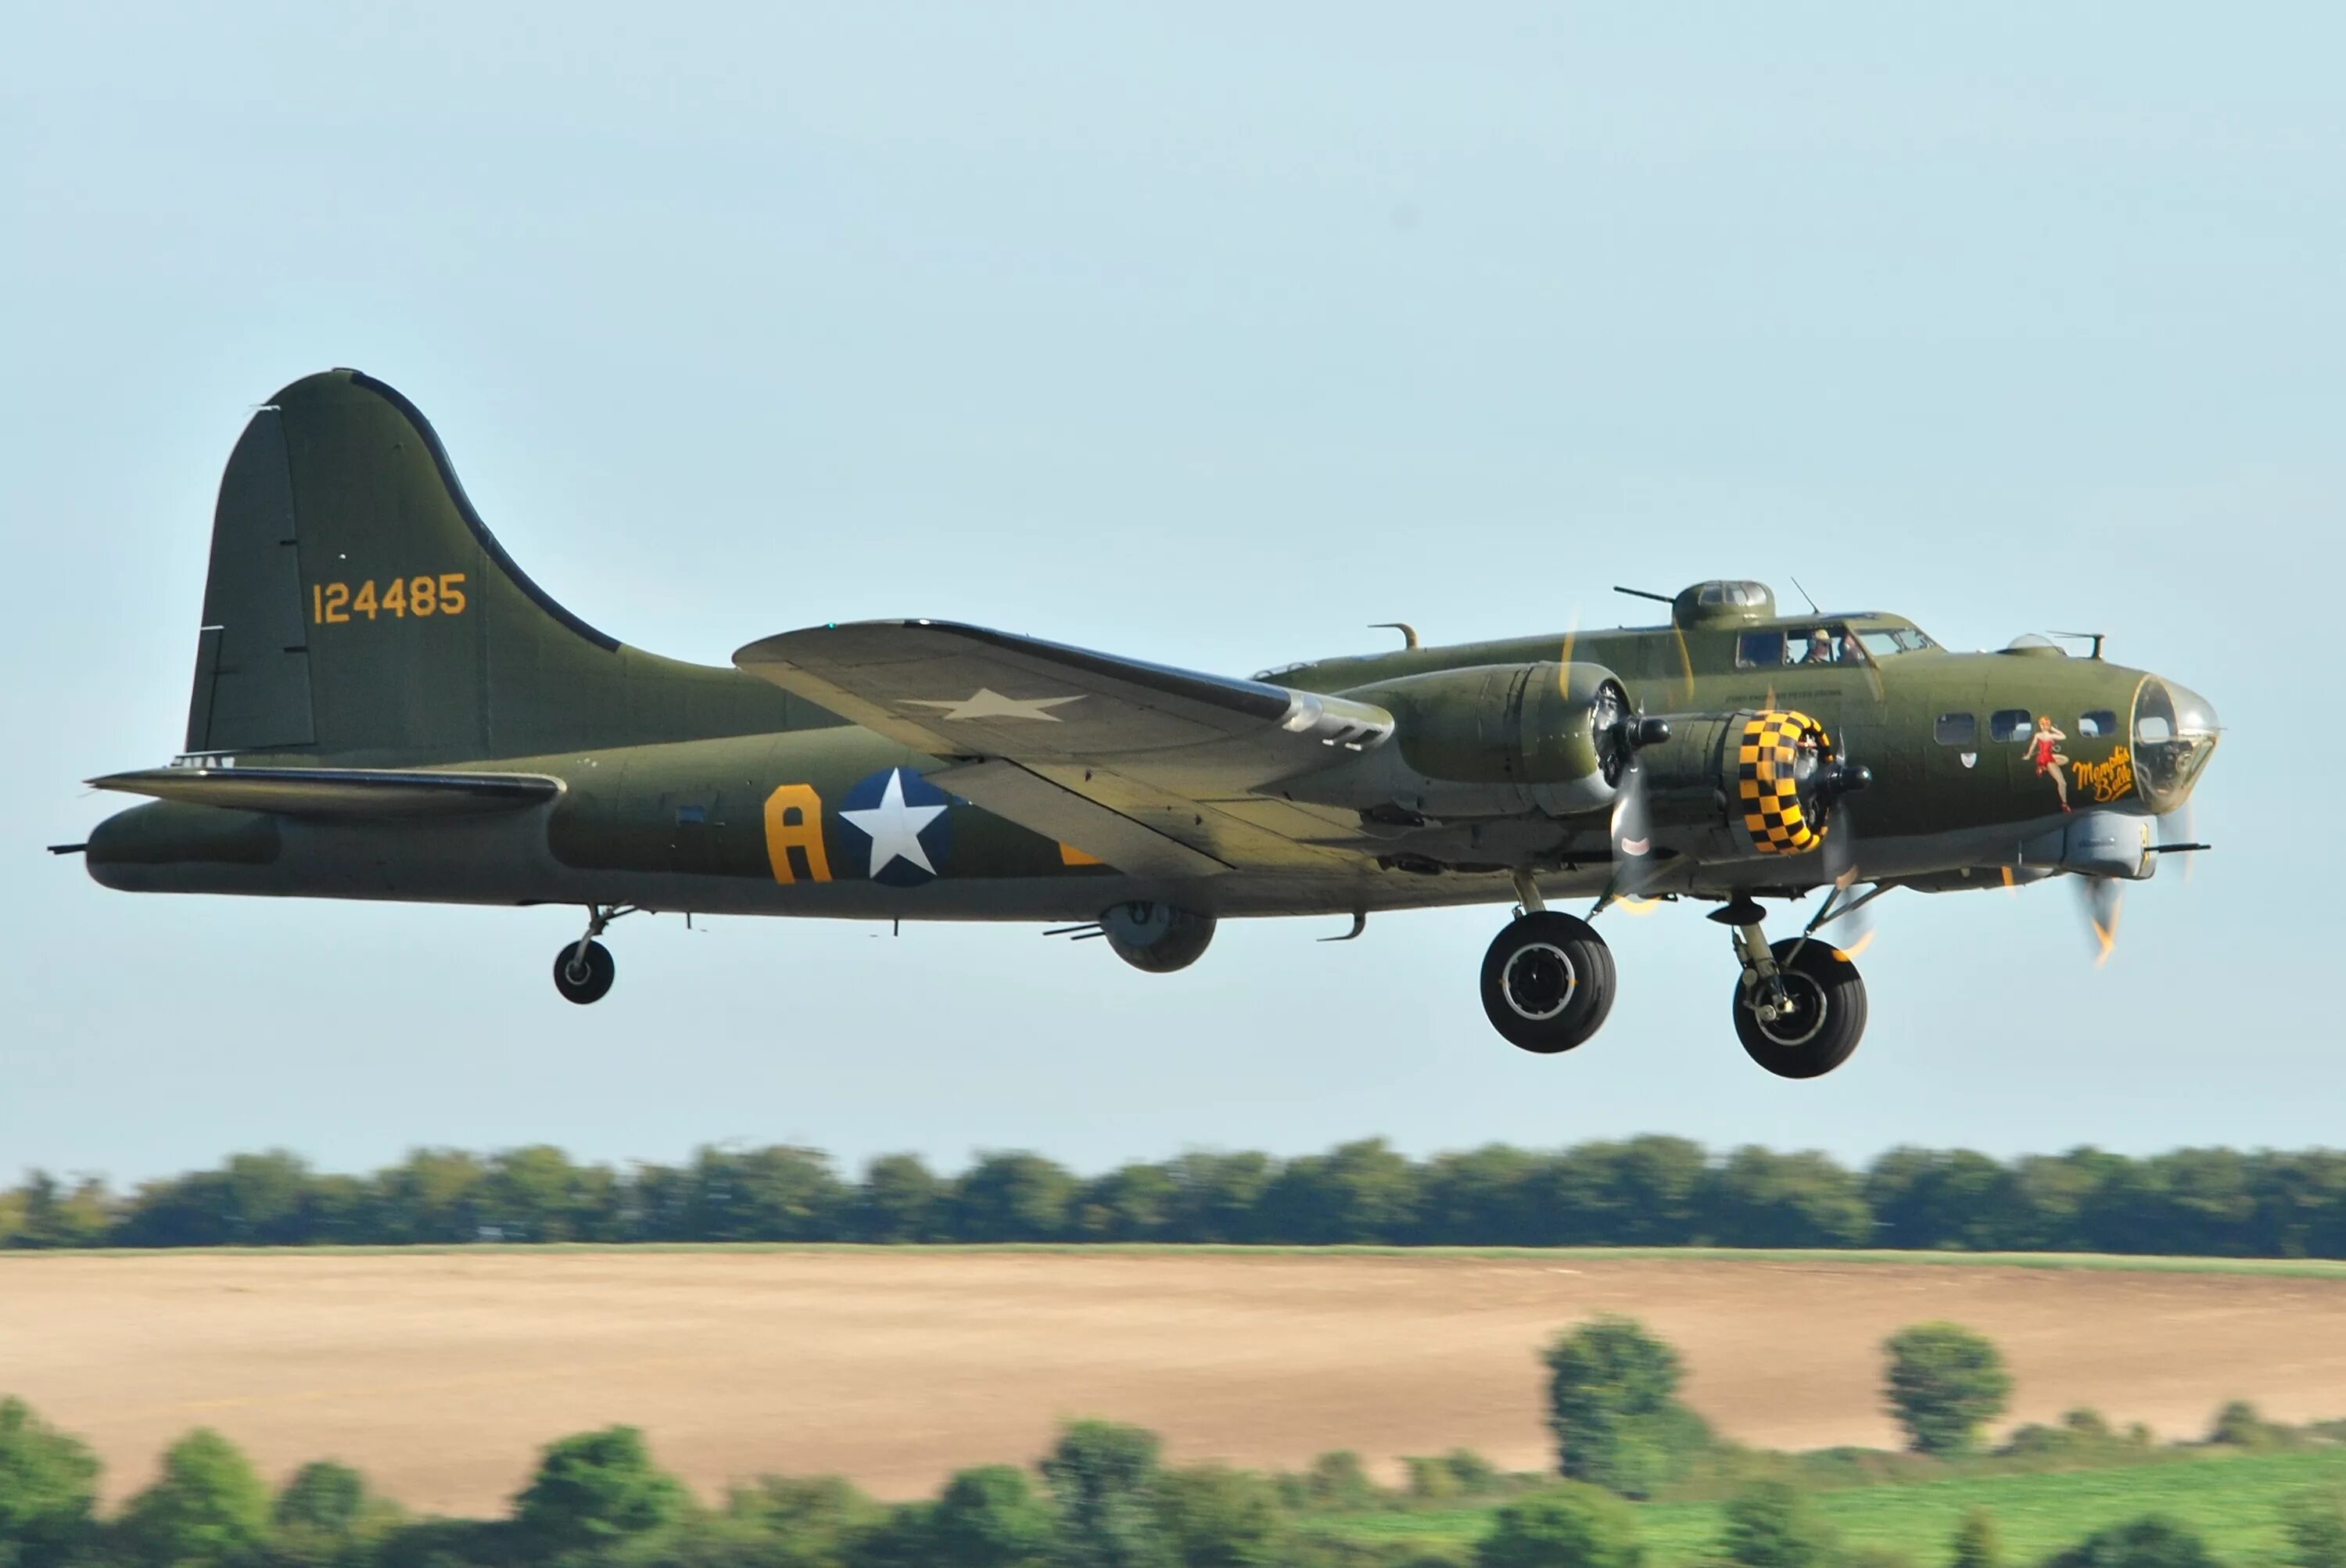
x=905, y=825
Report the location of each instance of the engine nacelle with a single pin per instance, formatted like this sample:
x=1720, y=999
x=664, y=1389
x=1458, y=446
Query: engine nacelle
x=1493, y=740
x=1158, y=937
x=1750, y=782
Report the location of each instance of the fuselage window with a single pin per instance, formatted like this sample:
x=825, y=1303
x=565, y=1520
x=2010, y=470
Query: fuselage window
x=2010, y=723
x=1760, y=650
x=2097, y=724
x=1957, y=729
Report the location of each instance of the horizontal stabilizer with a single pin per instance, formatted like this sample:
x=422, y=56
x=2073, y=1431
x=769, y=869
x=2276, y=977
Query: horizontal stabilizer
x=338, y=792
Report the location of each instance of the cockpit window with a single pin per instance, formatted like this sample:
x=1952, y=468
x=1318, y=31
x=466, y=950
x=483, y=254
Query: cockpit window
x=2010, y=723
x=2095, y=724
x=1821, y=646
x=1956, y=729
x=1760, y=650
x=1888, y=640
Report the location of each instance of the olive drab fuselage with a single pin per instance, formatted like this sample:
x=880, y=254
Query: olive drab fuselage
x=752, y=823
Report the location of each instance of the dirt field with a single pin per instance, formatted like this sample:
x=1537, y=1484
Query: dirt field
x=440, y=1374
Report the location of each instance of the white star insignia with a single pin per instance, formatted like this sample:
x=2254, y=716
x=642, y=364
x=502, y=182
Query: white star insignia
x=895, y=827
x=989, y=704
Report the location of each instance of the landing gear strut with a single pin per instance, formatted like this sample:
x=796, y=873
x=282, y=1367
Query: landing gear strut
x=1547, y=979
x=584, y=969
x=1799, y=1004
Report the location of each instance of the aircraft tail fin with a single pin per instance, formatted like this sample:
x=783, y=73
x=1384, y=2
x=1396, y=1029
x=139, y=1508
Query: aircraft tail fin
x=358, y=608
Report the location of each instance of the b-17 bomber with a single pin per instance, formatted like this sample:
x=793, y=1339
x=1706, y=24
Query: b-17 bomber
x=386, y=707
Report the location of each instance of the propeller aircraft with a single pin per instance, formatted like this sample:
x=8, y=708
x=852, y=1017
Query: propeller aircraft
x=386, y=707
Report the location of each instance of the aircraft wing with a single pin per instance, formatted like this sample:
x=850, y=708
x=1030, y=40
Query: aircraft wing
x=1154, y=769
x=339, y=792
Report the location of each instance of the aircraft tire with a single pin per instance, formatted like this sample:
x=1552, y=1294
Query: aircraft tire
x=585, y=980
x=1832, y=1021
x=1547, y=982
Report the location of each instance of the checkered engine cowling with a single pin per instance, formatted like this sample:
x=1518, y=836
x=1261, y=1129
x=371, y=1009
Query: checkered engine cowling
x=1781, y=751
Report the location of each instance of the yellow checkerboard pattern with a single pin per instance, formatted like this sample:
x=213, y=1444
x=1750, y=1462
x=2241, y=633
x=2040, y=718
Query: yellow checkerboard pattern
x=1768, y=786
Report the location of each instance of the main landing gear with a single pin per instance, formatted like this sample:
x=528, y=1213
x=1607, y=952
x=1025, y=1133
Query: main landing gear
x=584, y=969
x=1547, y=979
x=1799, y=1004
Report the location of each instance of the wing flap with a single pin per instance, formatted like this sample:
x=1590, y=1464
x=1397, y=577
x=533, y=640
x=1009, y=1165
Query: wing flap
x=338, y=792
x=1131, y=846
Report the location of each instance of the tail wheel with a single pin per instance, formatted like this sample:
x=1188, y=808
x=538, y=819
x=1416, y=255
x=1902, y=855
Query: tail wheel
x=1547, y=982
x=583, y=977
x=1826, y=1018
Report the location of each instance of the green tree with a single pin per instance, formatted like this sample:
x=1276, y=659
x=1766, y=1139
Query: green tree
x=1657, y=1186
x=2315, y=1523
x=1772, y=1524
x=779, y=1193
x=2154, y=1540
x=325, y=1515
x=433, y=1194
x=2240, y=1424
x=1977, y=1543
x=1219, y=1197
x=905, y=1537
x=322, y=1496
x=208, y=1508
x=1760, y=1198
x=1357, y=1191
x=1104, y=1477
x=990, y=1517
x=1132, y=1203
x=594, y=1489
x=1943, y=1384
x=896, y=1201
x=48, y=1489
x=1483, y=1197
x=1216, y=1517
x=1613, y=1408
x=1566, y=1526
x=1476, y=1474
x=807, y=1522
x=1013, y=1197
x=1338, y=1480
x=537, y=1194
x=54, y=1215
x=1431, y=1479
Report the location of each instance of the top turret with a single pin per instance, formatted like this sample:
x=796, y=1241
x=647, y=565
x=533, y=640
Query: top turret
x=1722, y=603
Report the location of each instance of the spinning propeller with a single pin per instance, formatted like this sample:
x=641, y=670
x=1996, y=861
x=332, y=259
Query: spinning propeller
x=1622, y=732
x=2103, y=899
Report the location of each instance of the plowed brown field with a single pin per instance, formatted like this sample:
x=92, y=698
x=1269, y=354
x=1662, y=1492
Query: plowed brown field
x=440, y=1374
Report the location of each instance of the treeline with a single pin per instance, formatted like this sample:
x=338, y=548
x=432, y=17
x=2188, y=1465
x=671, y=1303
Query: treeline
x=1640, y=1192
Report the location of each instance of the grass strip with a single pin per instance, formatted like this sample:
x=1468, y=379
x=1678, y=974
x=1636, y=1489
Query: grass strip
x=2234, y=1501
x=2271, y=1268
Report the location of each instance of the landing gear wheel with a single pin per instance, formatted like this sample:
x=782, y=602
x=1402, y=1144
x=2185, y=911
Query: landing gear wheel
x=1547, y=982
x=584, y=978
x=1826, y=1019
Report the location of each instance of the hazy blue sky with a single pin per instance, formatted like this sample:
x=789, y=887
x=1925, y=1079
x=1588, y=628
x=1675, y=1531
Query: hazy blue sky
x=1206, y=334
